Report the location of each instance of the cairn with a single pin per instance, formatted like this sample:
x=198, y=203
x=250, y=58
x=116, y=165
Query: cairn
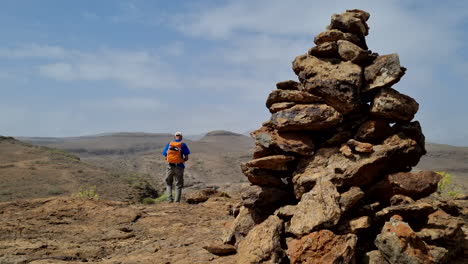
x=330, y=173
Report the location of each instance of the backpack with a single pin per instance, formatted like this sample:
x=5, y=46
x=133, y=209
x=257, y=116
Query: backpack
x=174, y=152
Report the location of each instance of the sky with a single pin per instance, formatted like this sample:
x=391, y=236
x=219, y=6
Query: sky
x=72, y=68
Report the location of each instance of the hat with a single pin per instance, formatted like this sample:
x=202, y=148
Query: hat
x=178, y=133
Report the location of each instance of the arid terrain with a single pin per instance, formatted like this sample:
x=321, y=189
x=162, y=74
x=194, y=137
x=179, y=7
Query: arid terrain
x=43, y=221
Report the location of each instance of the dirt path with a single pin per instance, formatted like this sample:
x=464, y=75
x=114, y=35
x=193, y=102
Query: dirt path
x=62, y=230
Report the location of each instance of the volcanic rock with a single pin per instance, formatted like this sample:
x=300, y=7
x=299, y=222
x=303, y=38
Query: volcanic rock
x=263, y=177
x=334, y=35
x=306, y=117
x=325, y=50
x=279, y=96
x=398, y=243
x=374, y=131
x=351, y=22
x=298, y=142
x=244, y=222
x=337, y=82
x=288, y=85
x=323, y=201
x=322, y=247
x=392, y=105
x=280, y=106
x=349, y=51
x=276, y=162
x=263, y=243
x=350, y=198
x=384, y=72
x=220, y=249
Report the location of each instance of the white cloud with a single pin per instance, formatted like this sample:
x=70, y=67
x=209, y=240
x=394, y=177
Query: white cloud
x=33, y=51
x=132, y=68
x=126, y=104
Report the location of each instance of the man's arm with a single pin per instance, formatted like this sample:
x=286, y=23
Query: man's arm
x=185, y=151
x=165, y=150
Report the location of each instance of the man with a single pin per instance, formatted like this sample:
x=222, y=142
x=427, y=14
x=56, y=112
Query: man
x=176, y=153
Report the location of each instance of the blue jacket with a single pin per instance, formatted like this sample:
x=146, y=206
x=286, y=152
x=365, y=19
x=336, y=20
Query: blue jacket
x=185, y=151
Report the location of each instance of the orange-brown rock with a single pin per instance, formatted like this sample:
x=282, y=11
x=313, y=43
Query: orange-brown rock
x=325, y=50
x=323, y=201
x=220, y=249
x=322, y=247
x=374, y=131
x=415, y=185
x=263, y=243
x=276, y=162
x=334, y=35
x=443, y=229
x=244, y=222
x=280, y=106
x=383, y=72
x=313, y=117
x=349, y=51
x=391, y=105
x=288, y=85
x=278, y=96
x=296, y=142
x=350, y=198
x=352, y=22
x=361, y=147
x=398, y=243
x=265, y=177
x=335, y=81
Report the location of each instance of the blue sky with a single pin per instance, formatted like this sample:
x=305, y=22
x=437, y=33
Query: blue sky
x=70, y=68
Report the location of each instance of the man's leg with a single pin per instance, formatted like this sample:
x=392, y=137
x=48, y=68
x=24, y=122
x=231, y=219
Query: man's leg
x=179, y=183
x=170, y=173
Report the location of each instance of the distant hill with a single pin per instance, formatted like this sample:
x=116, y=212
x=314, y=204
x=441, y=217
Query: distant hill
x=28, y=171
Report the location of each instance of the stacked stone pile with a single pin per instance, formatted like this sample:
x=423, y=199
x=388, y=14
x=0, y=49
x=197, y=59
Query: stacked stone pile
x=330, y=173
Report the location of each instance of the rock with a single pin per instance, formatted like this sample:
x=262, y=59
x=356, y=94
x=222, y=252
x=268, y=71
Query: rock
x=439, y=254
x=264, y=197
x=346, y=151
x=200, y=196
x=288, y=85
x=322, y=200
x=276, y=162
x=350, y=22
x=334, y=35
x=260, y=151
x=285, y=212
x=414, y=185
x=407, y=211
x=296, y=142
x=279, y=96
x=361, y=14
x=443, y=229
x=399, y=199
x=335, y=81
x=374, y=257
x=350, y=198
x=312, y=117
x=325, y=50
x=351, y=52
x=398, y=243
x=220, y=249
x=280, y=106
x=263, y=243
x=244, y=222
x=412, y=130
x=362, y=170
x=392, y=105
x=361, y=147
x=374, y=131
x=384, y=72
x=263, y=177
x=359, y=223
x=322, y=247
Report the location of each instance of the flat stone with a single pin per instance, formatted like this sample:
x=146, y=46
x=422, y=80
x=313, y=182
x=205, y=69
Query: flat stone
x=383, y=72
x=288, y=85
x=276, y=162
x=276, y=107
x=278, y=96
x=349, y=51
x=391, y=105
x=295, y=142
x=220, y=249
x=334, y=35
x=325, y=50
x=312, y=117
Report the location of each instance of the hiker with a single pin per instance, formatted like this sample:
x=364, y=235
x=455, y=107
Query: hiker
x=176, y=153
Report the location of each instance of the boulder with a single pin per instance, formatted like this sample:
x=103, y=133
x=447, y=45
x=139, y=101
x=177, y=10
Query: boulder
x=200, y=196
x=318, y=208
x=350, y=198
x=255, y=196
x=295, y=142
x=244, y=222
x=349, y=51
x=414, y=185
x=279, y=96
x=412, y=130
x=220, y=249
x=417, y=210
x=263, y=177
x=383, y=72
x=334, y=35
x=322, y=247
x=263, y=243
x=444, y=230
x=280, y=106
x=361, y=170
x=312, y=117
x=398, y=243
x=391, y=105
x=325, y=50
x=351, y=22
x=337, y=82
x=361, y=14
x=288, y=85
x=373, y=131
x=275, y=162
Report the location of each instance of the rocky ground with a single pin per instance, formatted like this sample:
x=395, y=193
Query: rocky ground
x=63, y=230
